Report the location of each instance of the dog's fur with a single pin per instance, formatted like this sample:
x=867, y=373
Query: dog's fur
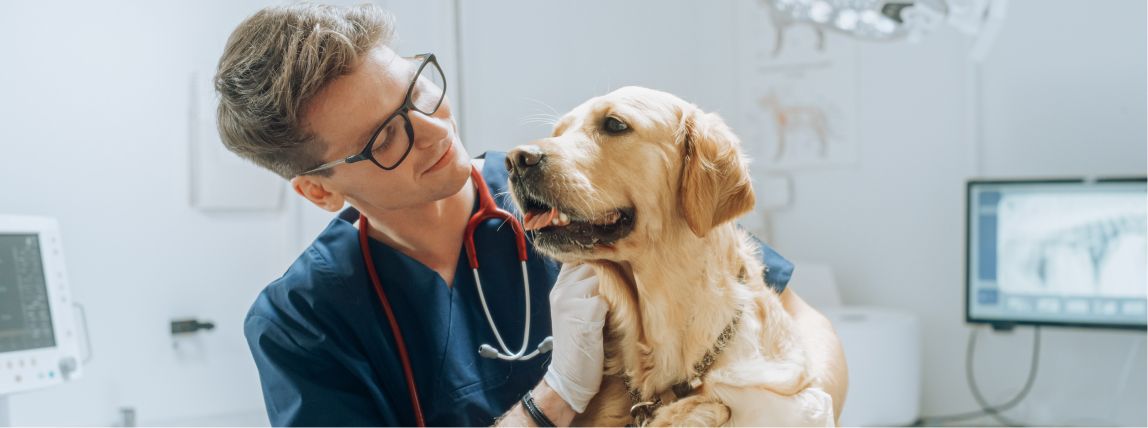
x=672, y=281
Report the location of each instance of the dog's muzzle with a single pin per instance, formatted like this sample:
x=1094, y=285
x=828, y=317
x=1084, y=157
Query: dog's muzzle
x=560, y=227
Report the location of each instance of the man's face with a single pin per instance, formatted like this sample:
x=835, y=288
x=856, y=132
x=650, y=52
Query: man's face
x=345, y=114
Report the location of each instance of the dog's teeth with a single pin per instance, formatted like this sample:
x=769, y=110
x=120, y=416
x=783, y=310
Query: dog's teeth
x=561, y=219
x=554, y=222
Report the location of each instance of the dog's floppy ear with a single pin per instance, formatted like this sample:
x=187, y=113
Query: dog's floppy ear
x=715, y=184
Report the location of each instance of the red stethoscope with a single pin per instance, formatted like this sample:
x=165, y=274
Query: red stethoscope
x=486, y=210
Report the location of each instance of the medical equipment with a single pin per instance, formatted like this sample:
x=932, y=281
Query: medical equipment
x=487, y=210
x=188, y=326
x=39, y=342
x=865, y=19
x=1057, y=252
x=885, y=20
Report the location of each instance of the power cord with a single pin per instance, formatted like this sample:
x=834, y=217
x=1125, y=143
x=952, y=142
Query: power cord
x=87, y=336
x=994, y=411
x=986, y=409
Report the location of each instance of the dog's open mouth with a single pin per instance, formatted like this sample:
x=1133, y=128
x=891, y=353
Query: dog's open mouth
x=565, y=230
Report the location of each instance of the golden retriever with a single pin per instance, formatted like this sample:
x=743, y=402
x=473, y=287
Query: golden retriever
x=644, y=186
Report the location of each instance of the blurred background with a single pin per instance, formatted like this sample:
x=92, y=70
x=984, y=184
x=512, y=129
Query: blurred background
x=865, y=126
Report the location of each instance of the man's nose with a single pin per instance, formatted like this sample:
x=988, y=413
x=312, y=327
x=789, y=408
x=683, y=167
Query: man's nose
x=522, y=158
x=429, y=130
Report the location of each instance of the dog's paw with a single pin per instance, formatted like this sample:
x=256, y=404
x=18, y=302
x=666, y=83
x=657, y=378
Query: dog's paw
x=695, y=411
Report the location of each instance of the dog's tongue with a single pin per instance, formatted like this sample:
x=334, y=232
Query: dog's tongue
x=535, y=220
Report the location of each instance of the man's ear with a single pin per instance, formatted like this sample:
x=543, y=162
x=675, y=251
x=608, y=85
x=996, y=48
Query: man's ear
x=715, y=183
x=316, y=191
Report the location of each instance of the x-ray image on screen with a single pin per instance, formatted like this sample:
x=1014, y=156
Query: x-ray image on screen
x=1094, y=245
x=1059, y=252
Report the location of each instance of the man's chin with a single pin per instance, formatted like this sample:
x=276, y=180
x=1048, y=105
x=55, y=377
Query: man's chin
x=458, y=173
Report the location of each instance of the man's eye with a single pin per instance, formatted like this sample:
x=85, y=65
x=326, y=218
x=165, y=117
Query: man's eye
x=614, y=126
x=381, y=144
x=383, y=140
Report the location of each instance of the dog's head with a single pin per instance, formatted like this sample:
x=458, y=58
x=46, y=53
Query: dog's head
x=627, y=170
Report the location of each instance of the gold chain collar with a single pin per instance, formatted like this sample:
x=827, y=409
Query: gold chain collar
x=641, y=411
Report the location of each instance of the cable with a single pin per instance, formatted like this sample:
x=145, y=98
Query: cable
x=986, y=409
x=1137, y=345
x=994, y=411
x=87, y=336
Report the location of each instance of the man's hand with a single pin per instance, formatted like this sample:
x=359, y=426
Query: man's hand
x=577, y=316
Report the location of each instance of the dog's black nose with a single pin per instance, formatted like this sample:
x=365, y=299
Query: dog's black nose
x=522, y=158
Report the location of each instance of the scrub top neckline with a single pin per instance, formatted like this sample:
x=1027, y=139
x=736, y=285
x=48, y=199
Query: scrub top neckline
x=351, y=215
x=422, y=284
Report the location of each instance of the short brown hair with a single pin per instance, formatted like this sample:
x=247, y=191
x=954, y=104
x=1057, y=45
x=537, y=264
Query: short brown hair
x=274, y=63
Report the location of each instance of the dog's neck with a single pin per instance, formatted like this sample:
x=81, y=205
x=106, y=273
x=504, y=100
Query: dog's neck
x=672, y=305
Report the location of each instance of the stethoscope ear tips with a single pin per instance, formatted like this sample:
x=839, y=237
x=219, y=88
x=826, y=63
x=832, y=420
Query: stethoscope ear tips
x=547, y=345
x=487, y=351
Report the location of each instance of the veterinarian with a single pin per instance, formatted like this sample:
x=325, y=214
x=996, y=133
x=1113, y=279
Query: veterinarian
x=305, y=90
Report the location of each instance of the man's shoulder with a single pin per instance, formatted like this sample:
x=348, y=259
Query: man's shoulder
x=315, y=280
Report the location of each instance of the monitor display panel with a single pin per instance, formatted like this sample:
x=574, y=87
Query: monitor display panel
x=1057, y=252
x=25, y=315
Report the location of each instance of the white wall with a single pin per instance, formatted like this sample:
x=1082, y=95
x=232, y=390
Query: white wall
x=524, y=58
x=94, y=100
x=1064, y=91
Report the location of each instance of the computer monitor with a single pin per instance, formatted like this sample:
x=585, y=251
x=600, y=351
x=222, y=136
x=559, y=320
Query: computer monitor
x=39, y=343
x=1057, y=252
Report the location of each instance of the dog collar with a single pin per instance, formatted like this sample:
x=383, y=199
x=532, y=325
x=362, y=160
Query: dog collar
x=641, y=411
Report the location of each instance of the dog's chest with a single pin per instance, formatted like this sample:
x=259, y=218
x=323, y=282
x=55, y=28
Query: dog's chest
x=658, y=357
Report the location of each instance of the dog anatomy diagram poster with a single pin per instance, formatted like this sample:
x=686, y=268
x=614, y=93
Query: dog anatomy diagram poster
x=798, y=91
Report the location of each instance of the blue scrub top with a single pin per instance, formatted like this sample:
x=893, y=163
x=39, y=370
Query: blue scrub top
x=326, y=355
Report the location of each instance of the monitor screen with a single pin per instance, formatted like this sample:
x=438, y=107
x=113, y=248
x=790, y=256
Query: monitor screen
x=1057, y=252
x=25, y=317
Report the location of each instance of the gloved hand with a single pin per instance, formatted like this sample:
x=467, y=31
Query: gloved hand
x=577, y=315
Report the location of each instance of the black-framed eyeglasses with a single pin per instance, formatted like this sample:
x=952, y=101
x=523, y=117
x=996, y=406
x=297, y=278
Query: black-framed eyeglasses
x=385, y=148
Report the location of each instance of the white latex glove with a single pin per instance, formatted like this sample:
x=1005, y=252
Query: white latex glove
x=577, y=315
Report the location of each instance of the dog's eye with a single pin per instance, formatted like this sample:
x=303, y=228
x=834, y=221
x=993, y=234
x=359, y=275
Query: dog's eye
x=614, y=126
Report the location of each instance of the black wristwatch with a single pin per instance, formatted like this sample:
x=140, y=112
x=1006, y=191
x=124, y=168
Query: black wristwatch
x=540, y=418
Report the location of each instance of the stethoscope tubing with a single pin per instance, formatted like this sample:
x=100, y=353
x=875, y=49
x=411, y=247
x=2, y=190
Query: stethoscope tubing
x=400, y=344
x=488, y=351
x=486, y=210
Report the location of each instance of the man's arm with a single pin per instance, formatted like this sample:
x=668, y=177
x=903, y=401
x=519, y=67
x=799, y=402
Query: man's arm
x=577, y=317
x=826, y=357
x=552, y=405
